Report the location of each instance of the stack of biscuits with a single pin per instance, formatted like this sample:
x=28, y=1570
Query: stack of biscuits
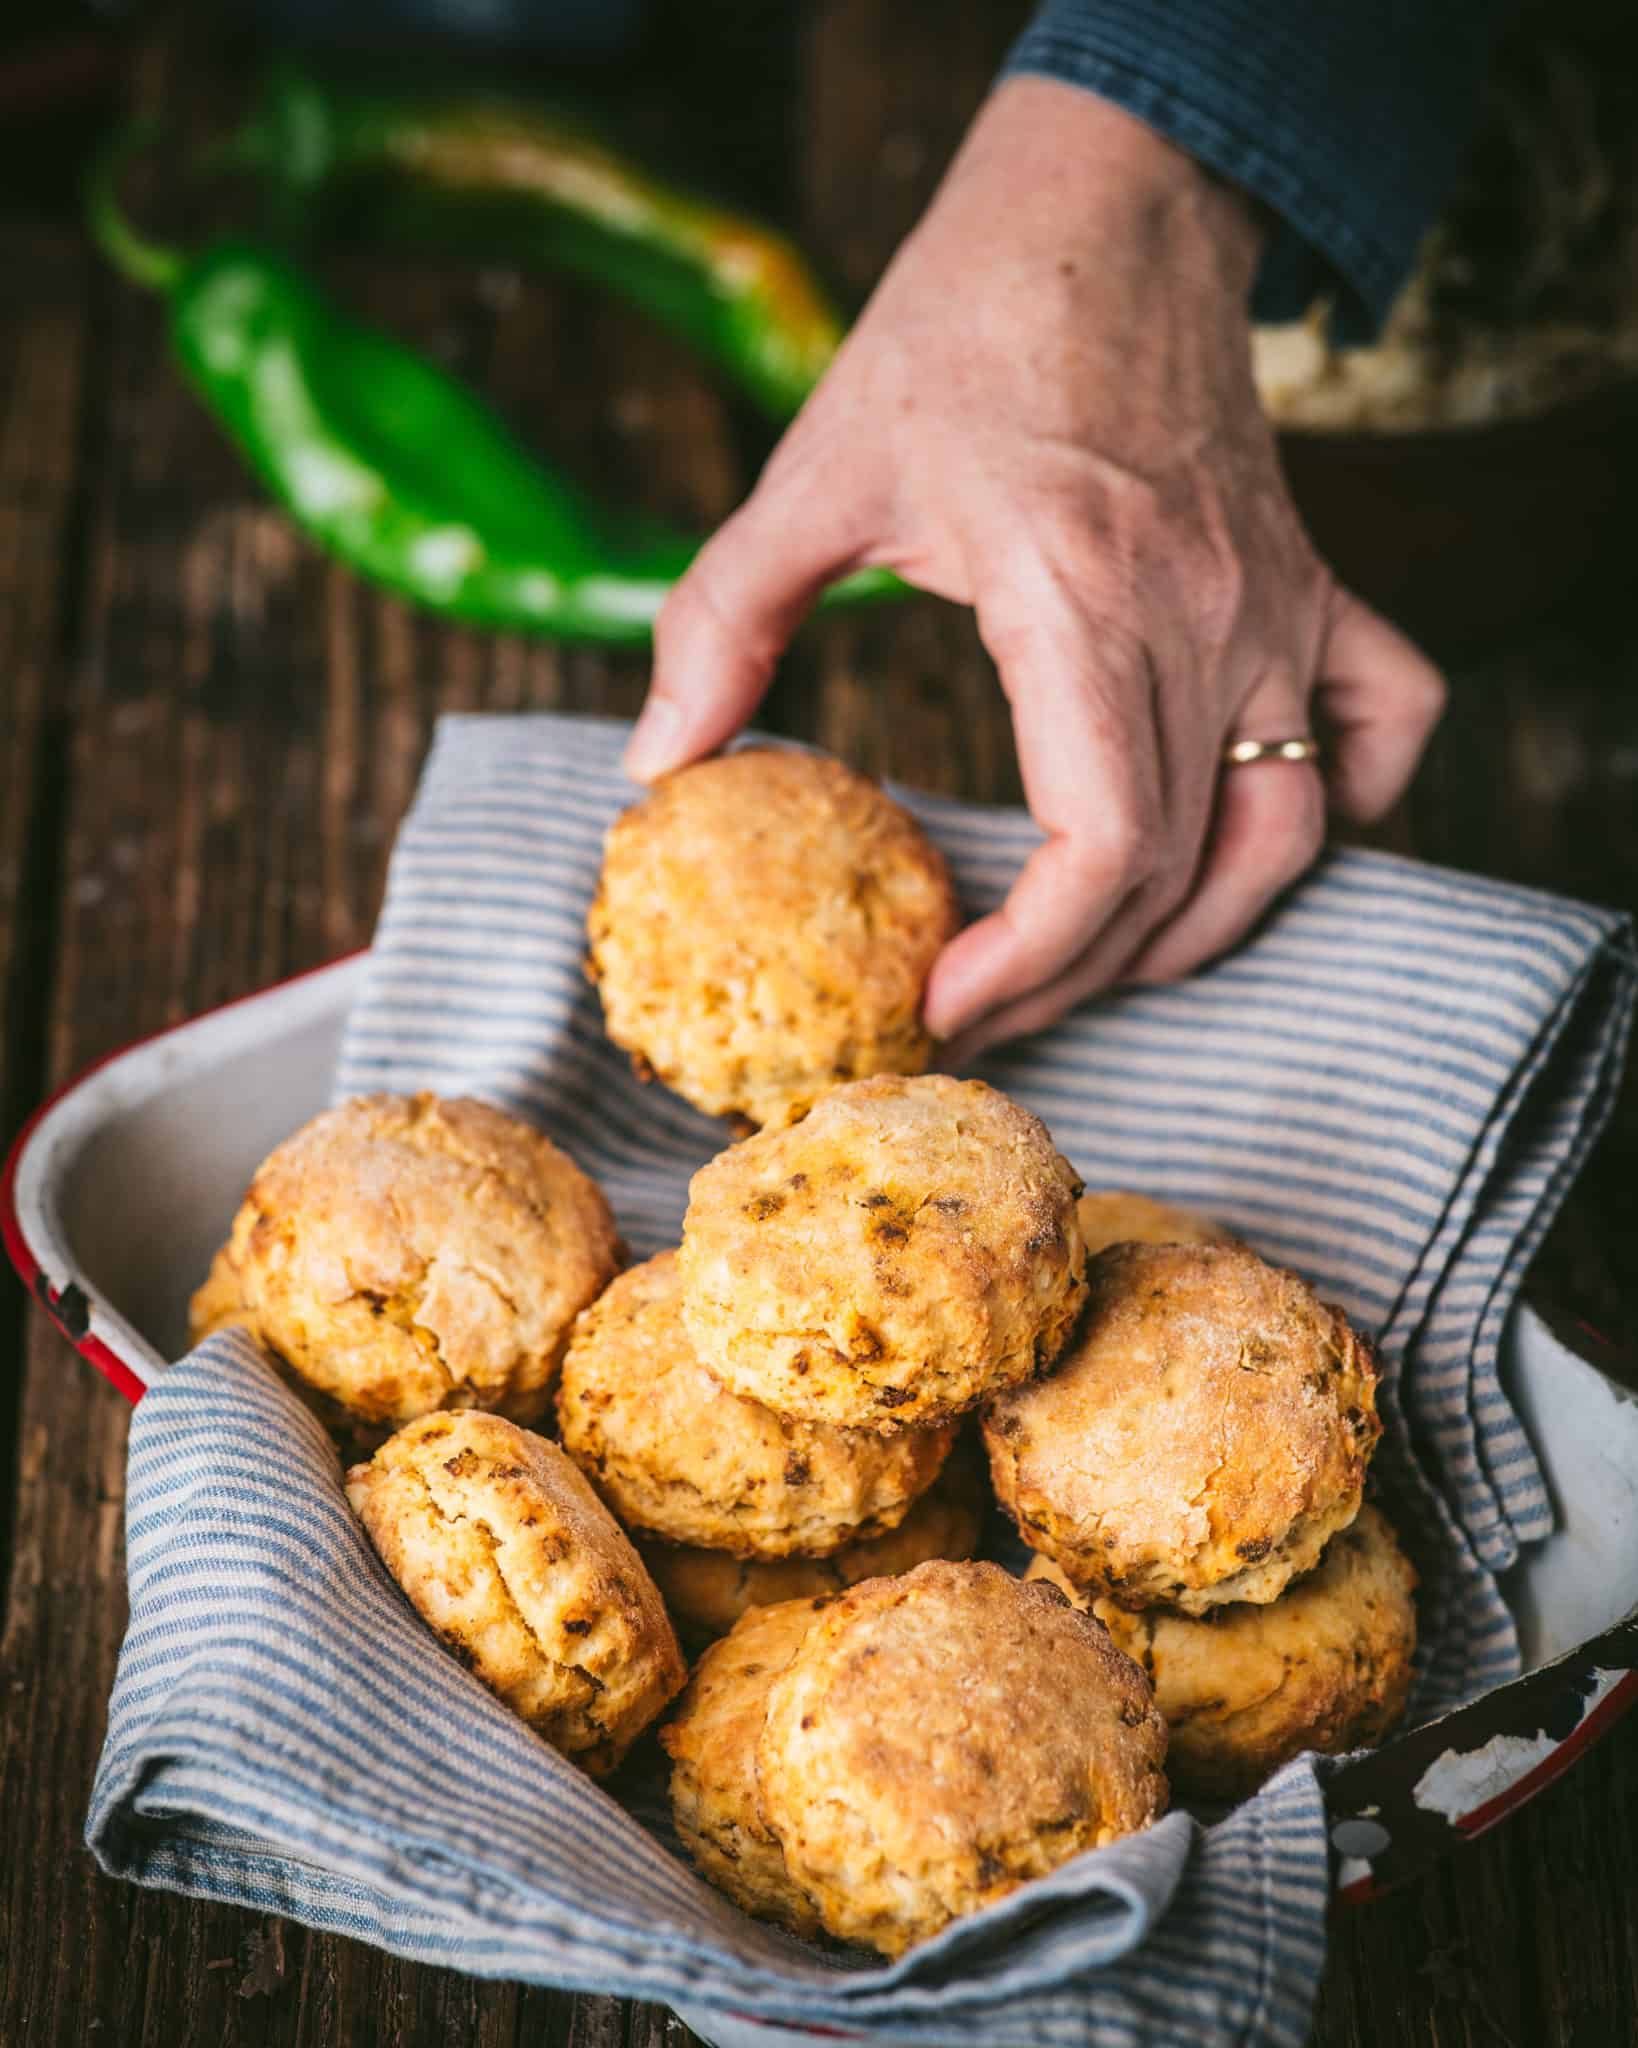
x=1192, y=1473
x=772, y=1437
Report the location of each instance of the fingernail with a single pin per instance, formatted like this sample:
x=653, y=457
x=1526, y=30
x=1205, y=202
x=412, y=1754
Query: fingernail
x=653, y=746
x=947, y=1014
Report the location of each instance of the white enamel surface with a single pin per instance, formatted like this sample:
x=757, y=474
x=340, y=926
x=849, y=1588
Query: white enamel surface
x=129, y=1182
x=1584, y=1426
x=1461, y=1781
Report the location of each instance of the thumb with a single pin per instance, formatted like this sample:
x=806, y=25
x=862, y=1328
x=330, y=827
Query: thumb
x=723, y=628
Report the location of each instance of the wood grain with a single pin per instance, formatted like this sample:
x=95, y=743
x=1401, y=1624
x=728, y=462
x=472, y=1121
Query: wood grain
x=207, y=735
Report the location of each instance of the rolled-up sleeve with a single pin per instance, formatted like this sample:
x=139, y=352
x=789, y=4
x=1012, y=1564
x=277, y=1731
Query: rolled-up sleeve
x=1348, y=118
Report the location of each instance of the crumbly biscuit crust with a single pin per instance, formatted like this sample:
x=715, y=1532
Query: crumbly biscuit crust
x=942, y=1738
x=1204, y=1437
x=763, y=928
x=679, y=1457
x=708, y=1590
x=906, y=1249
x=711, y=1740
x=508, y=1555
x=404, y=1253
x=1327, y=1666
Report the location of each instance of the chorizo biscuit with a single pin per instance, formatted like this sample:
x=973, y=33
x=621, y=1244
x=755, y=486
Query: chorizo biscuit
x=1205, y=1436
x=940, y=1739
x=507, y=1554
x=219, y=1301
x=678, y=1457
x=906, y=1249
x=763, y=929
x=1244, y=1689
x=708, y=1590
x=1116, y=1216
x=711, y=1740
x=403, y=1254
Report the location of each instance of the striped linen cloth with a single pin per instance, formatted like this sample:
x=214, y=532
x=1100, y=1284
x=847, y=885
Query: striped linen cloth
x=1388, y=1089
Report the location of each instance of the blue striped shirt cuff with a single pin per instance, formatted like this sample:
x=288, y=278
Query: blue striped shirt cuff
x=1348, y=120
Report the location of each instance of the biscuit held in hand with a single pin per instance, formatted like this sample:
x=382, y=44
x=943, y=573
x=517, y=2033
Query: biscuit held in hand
x=1206, y=1433
x=906, y=1249
x=712, y=1739
x=940, y=1739
x=707, y=1590
x=507, y=1554
x=763, y=928
x=1327, y=1666
x=402, y=1254
x=677, y=1456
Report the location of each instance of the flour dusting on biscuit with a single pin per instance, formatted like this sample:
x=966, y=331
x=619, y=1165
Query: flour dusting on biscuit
x=679, y=1457
x=401, y=1254
x=1202, y=1439
x=908, y=1248
x=763, y=929
x=505, y=1551
x=938, y=1740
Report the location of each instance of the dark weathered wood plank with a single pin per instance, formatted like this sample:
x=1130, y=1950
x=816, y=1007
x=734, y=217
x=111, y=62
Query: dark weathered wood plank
x=246, y=729
x=44, y=351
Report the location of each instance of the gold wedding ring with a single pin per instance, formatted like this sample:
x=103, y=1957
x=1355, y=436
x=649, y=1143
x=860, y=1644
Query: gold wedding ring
x=1243, y=752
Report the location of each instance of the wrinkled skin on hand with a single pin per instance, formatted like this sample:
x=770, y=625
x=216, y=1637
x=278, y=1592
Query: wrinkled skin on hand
x=1047, y=411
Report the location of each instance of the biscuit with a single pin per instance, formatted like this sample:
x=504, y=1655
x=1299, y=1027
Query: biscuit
x=403, y=1254
x=1327, y=1666
x=763, y=928
x=1116, y=1216
x=678, y=1457
x=711, y=1740
x=909, y=1247
x=707, y=1590
x=1206, y=1434
x=942, y=1738
x=219, y=1301
x=507, y=1554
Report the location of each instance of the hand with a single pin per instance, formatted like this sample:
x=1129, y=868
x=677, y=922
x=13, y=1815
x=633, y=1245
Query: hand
x=1047, y=412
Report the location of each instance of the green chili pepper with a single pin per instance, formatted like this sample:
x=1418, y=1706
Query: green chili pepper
x=392, y=465
x=539, y=186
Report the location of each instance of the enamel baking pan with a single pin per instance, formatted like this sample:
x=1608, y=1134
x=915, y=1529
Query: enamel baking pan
x=118, y=1191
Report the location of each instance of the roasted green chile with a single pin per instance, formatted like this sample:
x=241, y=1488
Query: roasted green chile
x=391, y=464
x=538, y=186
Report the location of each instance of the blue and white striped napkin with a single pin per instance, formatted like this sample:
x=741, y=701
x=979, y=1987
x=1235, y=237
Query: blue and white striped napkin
x=1388, y=1089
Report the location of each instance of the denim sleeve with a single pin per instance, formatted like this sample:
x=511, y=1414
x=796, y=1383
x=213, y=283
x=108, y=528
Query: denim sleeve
x=1348, y=118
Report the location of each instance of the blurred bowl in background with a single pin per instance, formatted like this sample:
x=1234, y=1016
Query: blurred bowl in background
x=1462, y=535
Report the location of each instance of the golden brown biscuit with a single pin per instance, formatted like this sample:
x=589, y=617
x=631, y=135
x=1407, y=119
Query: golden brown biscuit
x=707, y=1590
x=1116, y=1216
x=941, y=1738
x=402, y=1254
x=219, y=1302
x=907, y=1248
x=505, y=1551
x=711, y=1740
x=1207, y=1432
x=763, y=928
x=679, y=1457
x=1327, y=1666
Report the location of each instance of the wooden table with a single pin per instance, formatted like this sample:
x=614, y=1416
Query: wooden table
x=207, y=736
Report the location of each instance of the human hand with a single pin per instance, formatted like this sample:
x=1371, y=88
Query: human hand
x=1047, y=411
